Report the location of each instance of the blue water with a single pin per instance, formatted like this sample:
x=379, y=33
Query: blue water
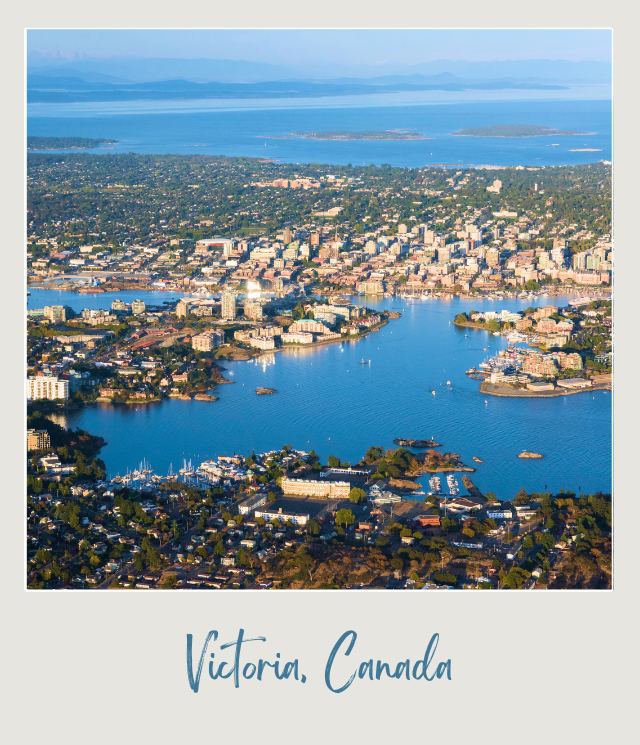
x=148, y=128
x=96, y=301
x=330, y=402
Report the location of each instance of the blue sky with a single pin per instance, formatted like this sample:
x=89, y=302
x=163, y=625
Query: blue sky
x=368, y=47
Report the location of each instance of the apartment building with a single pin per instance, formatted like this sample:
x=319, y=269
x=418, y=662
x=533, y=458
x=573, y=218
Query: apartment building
x=47, y=387
x=310, y=488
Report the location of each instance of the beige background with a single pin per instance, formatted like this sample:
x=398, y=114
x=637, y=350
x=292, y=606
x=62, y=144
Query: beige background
x=109, y=667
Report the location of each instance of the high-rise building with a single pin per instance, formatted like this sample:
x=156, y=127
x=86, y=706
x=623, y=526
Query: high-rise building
x=182, y=308
x=137, y=307
x=286, y=235
x=429, y=237
x=444, y=253
x=47, y=386
x=228, y=306
x=492, y=256
x=38, y=439
x=207, y=341
x=253, y=311
x=55, y=313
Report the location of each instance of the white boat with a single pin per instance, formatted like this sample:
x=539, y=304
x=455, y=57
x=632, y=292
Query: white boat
x=435, y=485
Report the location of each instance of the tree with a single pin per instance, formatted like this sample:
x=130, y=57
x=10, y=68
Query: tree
x=373, y=454
x=219, y=549
x=357, y=495
x=313, y=527
x=515, y=579
x=333, y=461
x=345, y=517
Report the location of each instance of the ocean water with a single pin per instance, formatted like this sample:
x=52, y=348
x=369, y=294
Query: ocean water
x=38, y=298
x=262, y=128
x=327, y=400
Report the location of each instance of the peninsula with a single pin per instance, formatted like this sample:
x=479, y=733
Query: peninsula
x=43, y=144
x=569, y=349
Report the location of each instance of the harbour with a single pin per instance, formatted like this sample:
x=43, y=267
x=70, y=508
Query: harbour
x=328, y=401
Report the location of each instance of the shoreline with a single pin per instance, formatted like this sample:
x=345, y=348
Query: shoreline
x=496, y=294
x=507, y=391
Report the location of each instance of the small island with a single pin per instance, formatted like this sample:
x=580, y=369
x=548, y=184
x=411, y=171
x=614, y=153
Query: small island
x=66, y=143
x=262, y=391
x=416, y=444
x=386, y=134
x=528, y=454
x=517, y=130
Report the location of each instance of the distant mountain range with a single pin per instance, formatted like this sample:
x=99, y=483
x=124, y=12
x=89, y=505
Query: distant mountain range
x=49, y=89
x=138, y=70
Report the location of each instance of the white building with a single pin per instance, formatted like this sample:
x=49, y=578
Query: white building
x=47, y=387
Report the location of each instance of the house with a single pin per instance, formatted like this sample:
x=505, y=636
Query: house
x=461, y=504
x=500, y=513
x=428, y=520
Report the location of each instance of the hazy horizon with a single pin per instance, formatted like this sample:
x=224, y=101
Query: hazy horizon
x=256, y=55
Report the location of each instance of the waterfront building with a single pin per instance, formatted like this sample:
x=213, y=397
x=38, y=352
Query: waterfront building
x=309, y=326
x=55, y=313
x=228, y=312
x=182, y=308
x=574, y=383
x=138, y=307
x=308, y=488
x=371, y=287
x=265, y=343
x=540, y=386
x=208, y=340
x=544, y=312
x=539, y=365
x=322, y=314
x=342, y=311
x=297, y=338
x=47, y=387
x=38, y=439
